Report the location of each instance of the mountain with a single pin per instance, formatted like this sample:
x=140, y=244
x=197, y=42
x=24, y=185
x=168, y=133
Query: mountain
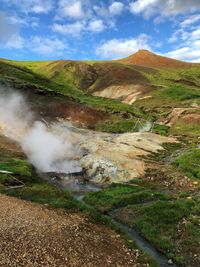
x=150, y=84
x=148, y=59
x=157, y=184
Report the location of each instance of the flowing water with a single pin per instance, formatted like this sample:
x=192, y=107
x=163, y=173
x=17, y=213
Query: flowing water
x=79, y=186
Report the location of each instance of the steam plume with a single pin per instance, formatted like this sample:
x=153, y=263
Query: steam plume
x=47, y=150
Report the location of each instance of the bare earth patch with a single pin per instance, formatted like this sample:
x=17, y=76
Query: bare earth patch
x=34, y=235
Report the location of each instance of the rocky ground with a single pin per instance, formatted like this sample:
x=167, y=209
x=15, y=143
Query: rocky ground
x=114, y=157
x=34, y=235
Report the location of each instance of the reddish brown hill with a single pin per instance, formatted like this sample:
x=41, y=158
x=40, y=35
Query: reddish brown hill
x=149, y=59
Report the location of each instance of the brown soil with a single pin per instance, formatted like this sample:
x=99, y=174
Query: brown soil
x=191, y=118
x=33, y=235
x=110, y=74
x=80, y=114
x=148, y=59
x=185, y=82
x=83, y=73
x=8, y=146
x=183, y=115
x=167, y=178
x=50, y=106
x=118, y=81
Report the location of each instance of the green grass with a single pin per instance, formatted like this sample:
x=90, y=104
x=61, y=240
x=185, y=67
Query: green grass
x=116, y=196
x=179, y=93
x=44, y=193
x=187, y=129
x=157, y=221
x=120, y=126
x=17, y=166
x=161, y=129
x=36, y=190
x=25, y=76
x=33, y=188
x=189, y=163
x=170, y=149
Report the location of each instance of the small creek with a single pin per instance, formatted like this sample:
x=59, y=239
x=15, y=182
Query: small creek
x=79, y=187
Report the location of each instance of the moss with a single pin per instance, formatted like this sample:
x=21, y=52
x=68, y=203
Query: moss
x=116, y=196
x=179, y=92
x=188, y=163
x=17, y=166
x=44, y=193
x=187, y=129
x=158, y=221
x=120, y=126
x=33, y=80
x=161, y=129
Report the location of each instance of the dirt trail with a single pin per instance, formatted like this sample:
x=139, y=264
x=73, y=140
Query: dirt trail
x=34, y=235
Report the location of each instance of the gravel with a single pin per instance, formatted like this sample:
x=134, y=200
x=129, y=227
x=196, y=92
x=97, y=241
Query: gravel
x=33, y=235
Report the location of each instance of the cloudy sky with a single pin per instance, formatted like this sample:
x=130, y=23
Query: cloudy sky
x=99, y=29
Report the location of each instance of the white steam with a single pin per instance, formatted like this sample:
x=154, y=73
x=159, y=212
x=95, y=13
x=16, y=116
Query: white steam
x=15, y=116
x=146, y=127
x=47, y=150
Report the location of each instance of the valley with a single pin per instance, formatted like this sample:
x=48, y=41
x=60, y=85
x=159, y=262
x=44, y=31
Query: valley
x=134, y=127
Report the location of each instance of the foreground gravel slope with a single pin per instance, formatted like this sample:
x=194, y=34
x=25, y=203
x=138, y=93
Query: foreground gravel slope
x=34, y=235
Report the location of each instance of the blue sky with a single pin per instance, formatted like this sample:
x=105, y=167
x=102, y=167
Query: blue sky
x=105, y=29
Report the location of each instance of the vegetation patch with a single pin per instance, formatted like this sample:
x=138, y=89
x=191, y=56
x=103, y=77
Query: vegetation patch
x=120, y=126
x=187, y=129
x=180, y=93
x=189, y=163
x=116, y=196
x=17, y=166
x=161, y=129
x=44, y=193
x=33, y=80
x=22, y=181
x=158, y=221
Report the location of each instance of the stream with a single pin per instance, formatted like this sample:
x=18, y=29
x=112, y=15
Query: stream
x=79, y=187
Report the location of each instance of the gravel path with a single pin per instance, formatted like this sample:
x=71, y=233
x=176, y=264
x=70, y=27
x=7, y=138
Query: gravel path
x=33, y=235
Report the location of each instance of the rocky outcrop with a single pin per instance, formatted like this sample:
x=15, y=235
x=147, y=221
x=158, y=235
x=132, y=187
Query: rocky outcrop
x=125, y=93
x=119, y=158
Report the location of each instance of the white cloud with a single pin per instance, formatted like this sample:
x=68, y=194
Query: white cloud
x=101, y=10
x=190, y=20
x=96, y=25
x=25, y=21
x=75, y=9
x=6, y=29
x=46, y=46
x=189, y=53
x=73, y=29
x=15, y=41
x=197, y=42
x=9, y=33
x=77, y=28
x=32, y=6
x=116, y=8
x=197, y=60
x=143, y=6
x=178, y=53
x=164, y=7
x=194, y=35
x=118, y=48
x=187, y=40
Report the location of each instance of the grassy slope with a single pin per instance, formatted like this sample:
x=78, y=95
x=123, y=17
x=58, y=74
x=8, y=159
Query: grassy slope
x=23, y=182
x=157, y=214
x=70, y=77
x=172, y=93
x=23, y=74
